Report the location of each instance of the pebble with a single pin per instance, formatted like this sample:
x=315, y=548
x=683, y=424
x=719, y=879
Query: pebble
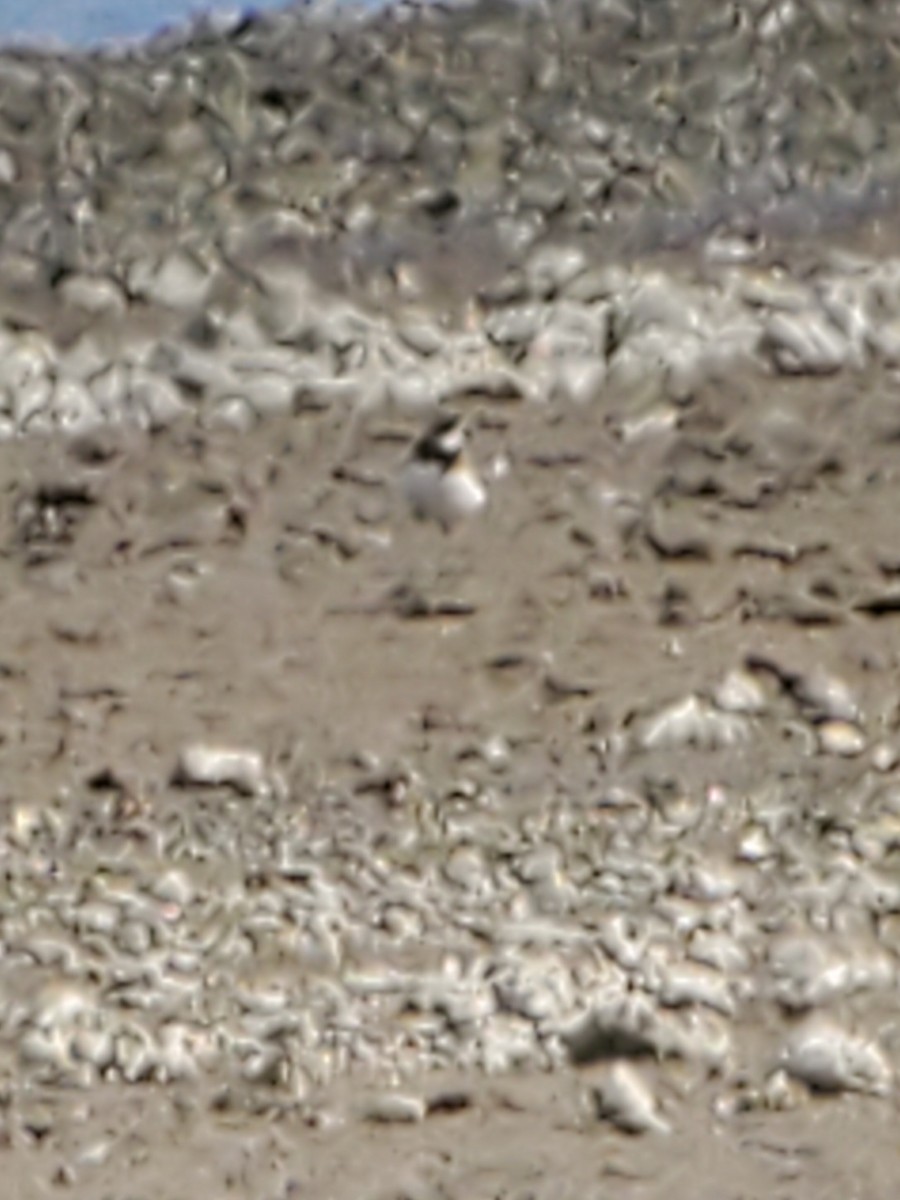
x=826, y=696
x=395, y=1108
x=828, y=1058
x=450, y=930
x=155, y=402
x=841, y=738
x=693, y=722
x=686, y=984
x=741, y=692
x=222, y=766
x=806, y=344
x=93, y=295
x=178, y=281
x=624, y=1098
x=9, y=171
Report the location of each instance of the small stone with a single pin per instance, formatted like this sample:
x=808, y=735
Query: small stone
x=93, y=295
x=806, y=344
x=885, y=757
x=222, y=766
x=841, y=738
x=624, y=1098
x=180, y=281
x=740, y=692
x=394, y=1108
x=9, y=171
x=156, y=401
x=829, y=1059
x=693, y=722
x=233, y=413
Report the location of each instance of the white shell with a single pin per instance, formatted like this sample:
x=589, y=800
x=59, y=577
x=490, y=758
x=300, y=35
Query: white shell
x=693, y=722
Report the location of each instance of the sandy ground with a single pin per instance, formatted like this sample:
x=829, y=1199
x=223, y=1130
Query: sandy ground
x=179, y=233
x=271, y=590
x=526, y=1137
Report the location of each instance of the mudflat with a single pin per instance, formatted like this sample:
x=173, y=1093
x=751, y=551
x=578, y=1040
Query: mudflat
x=500, y=759
x=548, y=851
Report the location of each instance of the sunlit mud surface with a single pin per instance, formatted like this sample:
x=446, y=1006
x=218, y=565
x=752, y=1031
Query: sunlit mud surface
x=549, y=850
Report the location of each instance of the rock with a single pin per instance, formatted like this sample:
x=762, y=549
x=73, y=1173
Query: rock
x=806, y=344
x=693, y=722
x=829, y=1059
x=222, y=766
x=741, y=692
x=94, y=295
x=623, y=1098
x=393, y=1108
x=841, y=738
x=153, y=401
x=179, y=281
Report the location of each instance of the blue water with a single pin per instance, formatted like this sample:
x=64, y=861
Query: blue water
x=86, y=23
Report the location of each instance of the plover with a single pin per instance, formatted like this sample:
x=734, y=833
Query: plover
x=438, y=480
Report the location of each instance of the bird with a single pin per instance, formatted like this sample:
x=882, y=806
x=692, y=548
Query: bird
x=439, y=480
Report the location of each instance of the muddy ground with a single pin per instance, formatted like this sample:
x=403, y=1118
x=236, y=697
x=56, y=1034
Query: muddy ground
x=581, y=815
x=522, y=1138
x=270, y=590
